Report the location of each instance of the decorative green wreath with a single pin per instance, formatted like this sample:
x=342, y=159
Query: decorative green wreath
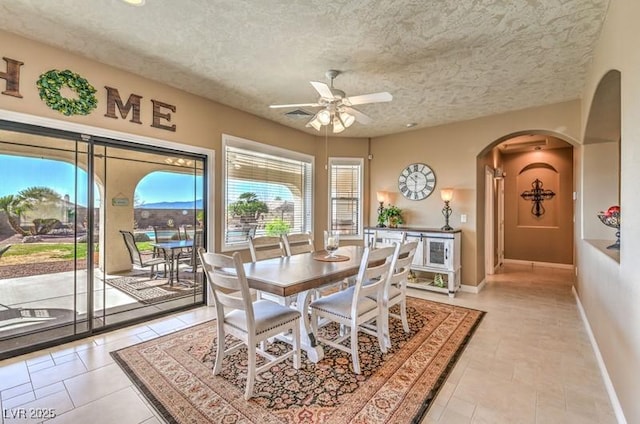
x=52, y=81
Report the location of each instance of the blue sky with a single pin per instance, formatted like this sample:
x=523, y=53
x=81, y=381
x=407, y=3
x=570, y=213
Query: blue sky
x=19, y=172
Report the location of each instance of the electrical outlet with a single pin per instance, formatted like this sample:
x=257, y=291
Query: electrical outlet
x=463, y=218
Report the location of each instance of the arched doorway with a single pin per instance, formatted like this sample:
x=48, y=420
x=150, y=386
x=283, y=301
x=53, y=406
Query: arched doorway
x=528, y=193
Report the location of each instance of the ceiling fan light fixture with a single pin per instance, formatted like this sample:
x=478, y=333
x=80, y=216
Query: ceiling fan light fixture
x=347, y=119
x=315, y=123
x=324, y=116
x=337, y=125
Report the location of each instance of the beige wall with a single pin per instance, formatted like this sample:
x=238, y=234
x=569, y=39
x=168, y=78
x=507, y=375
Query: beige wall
x=610, y=291
x=452, y=152
x=199, y=122
x=548, y=238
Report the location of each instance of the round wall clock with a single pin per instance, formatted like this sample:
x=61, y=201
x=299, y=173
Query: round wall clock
x=417, y=181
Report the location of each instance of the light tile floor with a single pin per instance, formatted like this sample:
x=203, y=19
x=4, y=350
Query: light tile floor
x=530, y=361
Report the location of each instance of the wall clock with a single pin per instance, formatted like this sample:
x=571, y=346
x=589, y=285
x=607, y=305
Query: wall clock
x=416, y=181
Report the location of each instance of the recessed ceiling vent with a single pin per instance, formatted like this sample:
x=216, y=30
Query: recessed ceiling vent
x=298, y=114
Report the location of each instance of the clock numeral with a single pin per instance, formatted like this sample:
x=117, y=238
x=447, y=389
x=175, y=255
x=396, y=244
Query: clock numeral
x=402, y=187
x=402, y=179
x=415, y=196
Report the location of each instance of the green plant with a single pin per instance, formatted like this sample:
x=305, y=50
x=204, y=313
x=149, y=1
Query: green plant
x=277, y=227
x=248, y=207
x=393, y=215
x=28, y=199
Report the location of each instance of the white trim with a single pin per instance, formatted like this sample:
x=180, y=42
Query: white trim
x=489, y=227
x=611, y=391
x=473, y=289
x=339, y=160
x=140, y=139
x=541, y=264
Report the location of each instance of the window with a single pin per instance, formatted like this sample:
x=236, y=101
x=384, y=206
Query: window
x=267, y=191
x=345, y=196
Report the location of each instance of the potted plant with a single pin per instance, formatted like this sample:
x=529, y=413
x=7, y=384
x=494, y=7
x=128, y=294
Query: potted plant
x=393, y=215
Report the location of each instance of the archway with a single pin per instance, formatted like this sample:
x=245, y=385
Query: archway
x=504, y=172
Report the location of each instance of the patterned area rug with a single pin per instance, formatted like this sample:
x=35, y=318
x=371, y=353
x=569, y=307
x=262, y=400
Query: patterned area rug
x=149, y=291
x=175, y=373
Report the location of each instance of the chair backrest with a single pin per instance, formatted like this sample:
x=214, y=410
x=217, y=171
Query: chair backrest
x=294, y=244
x=266, y=247
x=374, y=271
x=383, y=238
x=401, y=264
x=227, y=279
x=198, y=242
x=130, y=242
x=160, y=234
x=183, y=233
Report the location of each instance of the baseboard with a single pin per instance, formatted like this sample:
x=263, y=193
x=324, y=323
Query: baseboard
x=473, y=289
x=540, y=264
x=613, y=397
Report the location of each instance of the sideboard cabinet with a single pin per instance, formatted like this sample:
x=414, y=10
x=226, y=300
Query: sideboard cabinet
x=436, y=265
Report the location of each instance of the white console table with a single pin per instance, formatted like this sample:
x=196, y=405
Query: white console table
x=438, y=253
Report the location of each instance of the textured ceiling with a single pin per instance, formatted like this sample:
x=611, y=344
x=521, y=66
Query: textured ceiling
x=442, y=60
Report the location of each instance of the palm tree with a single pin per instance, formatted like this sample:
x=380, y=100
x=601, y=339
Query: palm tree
x=10, y=204
x=16, y=205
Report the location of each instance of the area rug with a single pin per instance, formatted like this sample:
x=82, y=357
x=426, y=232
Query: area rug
x=148, y=291
x=174, y=372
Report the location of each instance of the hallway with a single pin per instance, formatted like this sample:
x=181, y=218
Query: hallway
x=530, y=361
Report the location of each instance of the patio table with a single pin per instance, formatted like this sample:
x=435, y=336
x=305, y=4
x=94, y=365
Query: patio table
x=172, y=251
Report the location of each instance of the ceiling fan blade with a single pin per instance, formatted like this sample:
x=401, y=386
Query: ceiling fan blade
x=360, y=117
x=322, y=89
x=294, y=105
x=369, y=98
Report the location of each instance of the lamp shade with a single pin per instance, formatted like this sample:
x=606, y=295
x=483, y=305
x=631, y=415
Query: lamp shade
x=446, y=194
x=337, y=125
x=381, y=196
x=315, y=123
x=347, y=119
x=324, y=116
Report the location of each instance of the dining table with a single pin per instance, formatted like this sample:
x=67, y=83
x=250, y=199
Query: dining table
x=300, y=276
x=172, y=250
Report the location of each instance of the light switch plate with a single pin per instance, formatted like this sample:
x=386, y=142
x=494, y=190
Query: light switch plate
x=463, y=218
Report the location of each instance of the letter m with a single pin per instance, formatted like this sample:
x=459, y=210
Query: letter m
x=114, y=100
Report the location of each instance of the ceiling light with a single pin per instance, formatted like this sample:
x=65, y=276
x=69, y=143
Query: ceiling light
x=337, y=125
x=411, y=124
x=324, y=116
x=347, y=119
x=134, y=2
x=315, y=123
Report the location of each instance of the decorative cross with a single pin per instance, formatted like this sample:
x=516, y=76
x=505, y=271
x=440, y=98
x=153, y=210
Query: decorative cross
x=537, y=195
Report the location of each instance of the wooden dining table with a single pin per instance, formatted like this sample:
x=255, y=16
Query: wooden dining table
x=299, y=275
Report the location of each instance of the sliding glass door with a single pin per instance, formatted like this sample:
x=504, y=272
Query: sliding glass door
x=68, y=202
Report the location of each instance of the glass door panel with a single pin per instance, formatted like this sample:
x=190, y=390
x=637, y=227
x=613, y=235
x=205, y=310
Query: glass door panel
x=149, y=220
x=44, y=267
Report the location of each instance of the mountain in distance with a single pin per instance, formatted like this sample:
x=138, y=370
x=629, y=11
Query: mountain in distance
x=172, y=205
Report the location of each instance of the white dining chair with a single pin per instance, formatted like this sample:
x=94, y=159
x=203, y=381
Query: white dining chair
x=250, y=321
x=383, y=238
x=395, y=292
x=266, y=247
x=295, y=244
x=353, y=307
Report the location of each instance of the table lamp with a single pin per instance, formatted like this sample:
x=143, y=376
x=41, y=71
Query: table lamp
x=446, y=194
x=381, y=196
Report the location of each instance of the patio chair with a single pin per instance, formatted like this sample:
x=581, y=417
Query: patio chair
x=356, y=306
x=251, y=322
x=266, y=247
x=190, y=256
x=295, y=244
x=136, y=256
x=4, y=249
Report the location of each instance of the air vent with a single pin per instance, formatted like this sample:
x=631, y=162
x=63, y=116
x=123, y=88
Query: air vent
x=298, y=114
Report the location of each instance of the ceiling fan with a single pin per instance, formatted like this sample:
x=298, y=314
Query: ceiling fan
x=336, y=107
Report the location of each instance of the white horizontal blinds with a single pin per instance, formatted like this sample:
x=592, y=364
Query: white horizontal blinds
x=265, y=191
x=346, y=196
